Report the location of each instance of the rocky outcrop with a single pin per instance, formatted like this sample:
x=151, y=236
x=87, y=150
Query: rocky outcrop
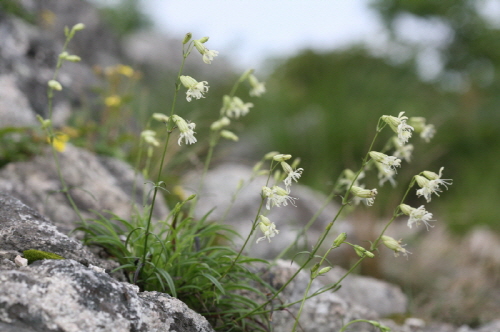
x=69, y=295
x=96, y=183
x=64, y=295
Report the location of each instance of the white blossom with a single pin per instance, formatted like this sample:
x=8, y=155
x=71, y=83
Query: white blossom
x=195, y=89
x=268, y=228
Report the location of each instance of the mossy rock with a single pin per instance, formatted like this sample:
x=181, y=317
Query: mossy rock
x=33, y=255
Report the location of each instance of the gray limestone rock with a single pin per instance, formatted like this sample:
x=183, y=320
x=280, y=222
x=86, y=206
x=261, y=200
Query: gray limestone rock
x=65, y=296
x=96, y=183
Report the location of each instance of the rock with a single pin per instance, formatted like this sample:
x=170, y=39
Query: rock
x=382, y=297
x=22, y=228
x=325, y=312
x=97, y=183
x=358, y=298
x=64, y=295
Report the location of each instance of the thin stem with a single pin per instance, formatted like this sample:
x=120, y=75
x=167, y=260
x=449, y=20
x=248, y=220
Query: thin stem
x=170, y=126
x=51, y=135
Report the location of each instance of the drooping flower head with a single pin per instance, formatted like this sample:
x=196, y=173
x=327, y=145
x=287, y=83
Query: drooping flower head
x=195, y=89
x=430, y=182
x=186, y=129
x=417, y=216
x=258, y=88
x=291, y=174
x=426, y=131
x=389, y=162
x=394, y=245
x=402, y=151
x=385, y=175
x=235, y=107
x=149, y=137
x=268, y=228
x=367, y=195
x=276, y=196
x=208, y=55
x=399, y=126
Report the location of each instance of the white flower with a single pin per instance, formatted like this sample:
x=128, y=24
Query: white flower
x=430, y=182
x=268, y=228
x=291, y=174
x=276, y=196
x=258, y=88
x=236, y=108
x=436, y=178
x=394, y=245
x=399, y=126
x=384, y=176
x=417, y=216
x=20, y=261
x=426, y=131
x=149, y=137
x=208, y=55
x=403, y=151
x=195, y=89
x=186, y=130
x=367, y=195
x=389, y=162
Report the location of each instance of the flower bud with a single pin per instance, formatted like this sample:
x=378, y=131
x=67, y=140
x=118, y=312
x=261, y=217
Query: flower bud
x=270, y=155
x=229, y=135
x=44, y=122
x=430, y=175
x=73, y=58
x=282, y=157
x=363, y=193
x=187, y=38
x=362, y=252
x=203, y=40
x=339, y=240
x=394, y=245
x=160, y=117
x=53, y=84
x=63, y=55
x=78, y=27
x=324, y=270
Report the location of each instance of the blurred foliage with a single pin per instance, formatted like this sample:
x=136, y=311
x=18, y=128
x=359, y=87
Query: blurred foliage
x=125, y=17
x=323, y=107
x=15, y=8
x=18, y=144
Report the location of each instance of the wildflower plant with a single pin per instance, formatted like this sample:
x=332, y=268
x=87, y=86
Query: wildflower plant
x=189, y=257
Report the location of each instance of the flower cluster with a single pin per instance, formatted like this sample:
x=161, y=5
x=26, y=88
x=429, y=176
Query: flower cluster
x=276, y=195
x=235, y=107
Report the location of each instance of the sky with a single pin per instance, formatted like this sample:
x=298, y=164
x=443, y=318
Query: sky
x=249, y=31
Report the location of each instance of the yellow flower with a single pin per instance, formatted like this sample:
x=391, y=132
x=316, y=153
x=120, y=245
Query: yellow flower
x=125, y=70
x=59, y=141
x=113, y=101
